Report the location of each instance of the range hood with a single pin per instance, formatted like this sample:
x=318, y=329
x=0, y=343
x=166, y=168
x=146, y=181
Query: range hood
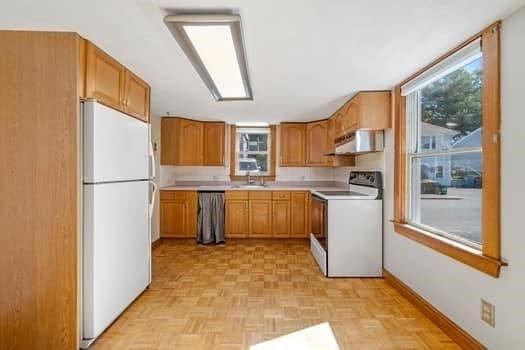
x=359, y=142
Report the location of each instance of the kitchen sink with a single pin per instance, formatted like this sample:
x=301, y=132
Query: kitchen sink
x=250, y=186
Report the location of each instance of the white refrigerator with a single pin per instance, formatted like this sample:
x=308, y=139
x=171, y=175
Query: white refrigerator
x=117, y=206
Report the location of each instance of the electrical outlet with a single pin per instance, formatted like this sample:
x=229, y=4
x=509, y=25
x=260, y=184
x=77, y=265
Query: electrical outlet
x=488, y=313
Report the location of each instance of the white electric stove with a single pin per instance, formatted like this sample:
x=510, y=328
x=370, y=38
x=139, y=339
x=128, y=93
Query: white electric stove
x=347, y=227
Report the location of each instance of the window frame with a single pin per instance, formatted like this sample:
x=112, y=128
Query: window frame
x=238, y=152
x=488, y=259
x=234, y=175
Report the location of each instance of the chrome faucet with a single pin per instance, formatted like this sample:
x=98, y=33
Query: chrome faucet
x=249, y=180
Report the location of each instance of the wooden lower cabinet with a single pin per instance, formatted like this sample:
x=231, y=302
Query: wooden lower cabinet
x=260, y=218
x=178, y=214
x=300, y=217
x=265, y=214
x=237, y=218
x=281, y=218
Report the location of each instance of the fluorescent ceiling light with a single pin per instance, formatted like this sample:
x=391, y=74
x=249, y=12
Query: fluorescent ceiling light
x=214, y=45
x=252, y=124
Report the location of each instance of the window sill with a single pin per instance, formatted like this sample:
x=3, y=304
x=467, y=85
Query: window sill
x=254, y=177
x=454, y=250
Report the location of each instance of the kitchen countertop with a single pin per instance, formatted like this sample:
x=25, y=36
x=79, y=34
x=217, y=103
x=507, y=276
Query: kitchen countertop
x=272, y=186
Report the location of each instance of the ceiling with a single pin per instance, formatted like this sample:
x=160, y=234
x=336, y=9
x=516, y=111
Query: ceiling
x=305, y=57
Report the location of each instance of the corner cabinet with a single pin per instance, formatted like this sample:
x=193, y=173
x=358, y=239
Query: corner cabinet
x=111, y=84
x=178, y=214
x=306, y=144
x=192, y=142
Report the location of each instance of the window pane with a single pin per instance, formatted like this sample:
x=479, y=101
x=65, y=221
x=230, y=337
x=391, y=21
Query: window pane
x=450, y=116
x=249, y=142
x=446, y=194
x=253, y=162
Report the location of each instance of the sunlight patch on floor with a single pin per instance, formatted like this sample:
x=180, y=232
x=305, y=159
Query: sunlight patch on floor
x=311, y=338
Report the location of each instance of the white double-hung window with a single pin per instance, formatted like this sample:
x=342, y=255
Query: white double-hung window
x=444, y=147
x=252, y=151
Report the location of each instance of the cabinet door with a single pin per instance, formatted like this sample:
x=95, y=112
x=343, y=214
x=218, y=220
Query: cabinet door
x=375, y=110
x=281, y=218
x=237, y=218
x=214, y=134
x=293, y=145
x=190, y=144
x=351, y=116
x=174, y=218
x=300, y=217
x=169, y=150
x=338, y=124
x=260, y=218
x=316, y=144
x=136, y=96
x=104, y=78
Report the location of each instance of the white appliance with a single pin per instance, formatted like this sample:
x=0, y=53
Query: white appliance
x=116, y=241
x=347, y=228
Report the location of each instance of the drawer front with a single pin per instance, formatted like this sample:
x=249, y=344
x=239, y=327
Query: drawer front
x=263, y=195
x=175, y=194
x=281, y=195
x=236, y=195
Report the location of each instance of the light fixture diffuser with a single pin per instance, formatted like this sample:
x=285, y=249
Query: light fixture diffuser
x=214, y=45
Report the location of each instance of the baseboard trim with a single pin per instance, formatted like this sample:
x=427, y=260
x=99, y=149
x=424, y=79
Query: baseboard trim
x=156, y=244
x=455, y=332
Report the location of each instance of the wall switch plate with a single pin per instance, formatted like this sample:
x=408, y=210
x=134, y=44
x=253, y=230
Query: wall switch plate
x=488, y=313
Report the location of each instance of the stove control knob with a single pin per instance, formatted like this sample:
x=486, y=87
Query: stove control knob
x=371, y=179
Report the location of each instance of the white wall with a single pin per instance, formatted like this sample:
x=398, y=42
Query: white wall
x=452, y=287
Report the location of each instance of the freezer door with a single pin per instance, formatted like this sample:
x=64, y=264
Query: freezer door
x=115, y=145
x=116, y=251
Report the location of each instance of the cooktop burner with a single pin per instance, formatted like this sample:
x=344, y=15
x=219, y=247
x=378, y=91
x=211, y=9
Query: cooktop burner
x=341, y=193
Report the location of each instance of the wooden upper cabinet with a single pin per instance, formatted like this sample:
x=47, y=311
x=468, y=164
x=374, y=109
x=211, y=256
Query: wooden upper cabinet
x=111, y=84
x=191, y=142
x=104, y=77
x=168, y=141
x=375, y=110
x=136, y=96
x=366, y=110
x=317, y=143
x=190, y=135
x=350, y=118
x=214, y=141
x=293, y=145
x=338, y=123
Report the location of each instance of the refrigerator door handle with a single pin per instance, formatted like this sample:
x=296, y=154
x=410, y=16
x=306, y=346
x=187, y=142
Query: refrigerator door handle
x=152, y=157
x=153, y=195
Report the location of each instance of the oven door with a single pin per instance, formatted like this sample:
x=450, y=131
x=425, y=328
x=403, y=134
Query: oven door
x=319, y=220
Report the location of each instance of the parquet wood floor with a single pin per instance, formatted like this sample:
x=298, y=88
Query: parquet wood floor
x=245, y=292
